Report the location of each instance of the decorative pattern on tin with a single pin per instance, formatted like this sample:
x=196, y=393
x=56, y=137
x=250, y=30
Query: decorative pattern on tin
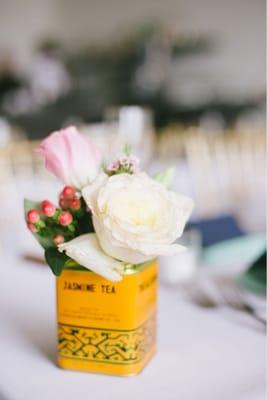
x=106, y=345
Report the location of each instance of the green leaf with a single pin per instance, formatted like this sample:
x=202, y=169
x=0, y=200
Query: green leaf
x=166, y=177
x=127, y=149
x=84, y=224
x=74, y=266
x=29, y=204
x=55, y=260
x=43, y=239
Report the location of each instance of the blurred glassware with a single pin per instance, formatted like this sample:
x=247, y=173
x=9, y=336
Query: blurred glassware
x=134, y=127
x=105, y=136
x=182, y=267
x=223, y=294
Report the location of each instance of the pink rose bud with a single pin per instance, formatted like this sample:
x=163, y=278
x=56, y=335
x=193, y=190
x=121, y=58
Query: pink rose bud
x=65, y=218
x=32, y=227
x=68, y=192
x=33, y=216
x=75, y=204
x=58, y=239
x=48, y=208
x=71, y=156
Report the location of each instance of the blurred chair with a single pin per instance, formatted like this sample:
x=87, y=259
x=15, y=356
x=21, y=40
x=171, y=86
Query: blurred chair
x=227, y=171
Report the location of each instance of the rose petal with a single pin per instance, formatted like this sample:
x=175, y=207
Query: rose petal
x=86, y=251
x=70, y=156
x=90, y=192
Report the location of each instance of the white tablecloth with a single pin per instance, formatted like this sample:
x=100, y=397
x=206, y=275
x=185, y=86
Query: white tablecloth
x=201, y=353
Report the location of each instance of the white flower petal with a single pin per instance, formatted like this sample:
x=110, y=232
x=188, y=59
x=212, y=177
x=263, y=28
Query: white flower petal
x=86, y=251
x=135, y=217
x=117, y=249
x=183, y=207
x=90, y=192
x=163, y=250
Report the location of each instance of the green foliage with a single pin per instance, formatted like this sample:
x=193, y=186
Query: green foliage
x=43, y=236
x=29, y=204
x=83, y=219
x=166, y=177
x=82, y=223
x=127, y=149
x=55, y=260
x=254, y=278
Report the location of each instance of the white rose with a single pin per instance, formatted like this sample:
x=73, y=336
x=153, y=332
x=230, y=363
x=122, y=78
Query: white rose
x=135, y=217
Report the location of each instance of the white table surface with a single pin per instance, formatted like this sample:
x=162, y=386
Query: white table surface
x=201, y=353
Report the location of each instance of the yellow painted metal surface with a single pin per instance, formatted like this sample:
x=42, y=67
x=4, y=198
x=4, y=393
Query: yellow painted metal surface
x=107, y=327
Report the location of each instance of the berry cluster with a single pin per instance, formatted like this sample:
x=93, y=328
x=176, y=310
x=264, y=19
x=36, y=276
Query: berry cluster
x=57, y=224
x=69, y=198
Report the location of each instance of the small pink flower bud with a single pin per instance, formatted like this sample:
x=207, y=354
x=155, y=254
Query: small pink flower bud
x=48, y=208
x=65, y=218
x=32, y=227
x=58, y=239
x=33, y=216
x=68, y=192
x=124, y=160
x=75, y=204
x=114, y=166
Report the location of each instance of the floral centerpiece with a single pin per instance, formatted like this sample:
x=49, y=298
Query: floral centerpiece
x=102, y=239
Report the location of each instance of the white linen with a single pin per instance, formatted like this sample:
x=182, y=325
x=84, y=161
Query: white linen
x=201, y=354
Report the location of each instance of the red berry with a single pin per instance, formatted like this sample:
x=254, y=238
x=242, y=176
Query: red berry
x=48, y=208
x=65, y=218
x=64, y=203
x=32, y=227
x=44, y=202
x=75, y=204
x=68, y=192
x=33, y=216
x=58, y=239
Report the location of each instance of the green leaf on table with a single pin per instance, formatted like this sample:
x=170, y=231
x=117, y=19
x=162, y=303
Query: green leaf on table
x=166, y=177
x=254, y=278
x=55, y=260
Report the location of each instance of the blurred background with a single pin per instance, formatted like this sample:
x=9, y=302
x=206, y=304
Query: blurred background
x=182, y=82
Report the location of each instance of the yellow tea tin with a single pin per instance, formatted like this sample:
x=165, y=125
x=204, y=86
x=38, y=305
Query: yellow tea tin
x=107, y=327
